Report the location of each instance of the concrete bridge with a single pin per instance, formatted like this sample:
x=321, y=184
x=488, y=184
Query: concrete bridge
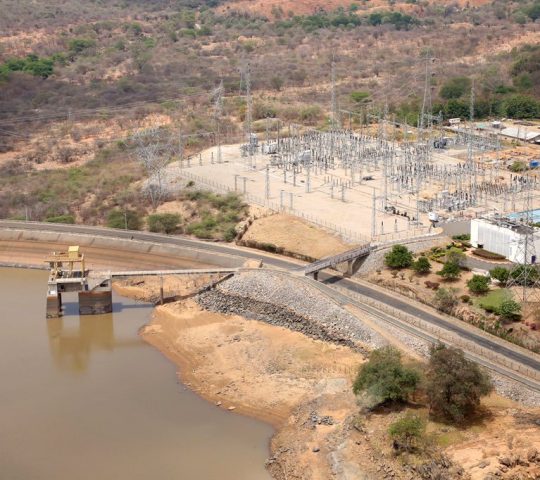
x=349, y=257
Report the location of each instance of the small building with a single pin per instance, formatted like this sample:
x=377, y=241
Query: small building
x=521, y=133
x=505, y=237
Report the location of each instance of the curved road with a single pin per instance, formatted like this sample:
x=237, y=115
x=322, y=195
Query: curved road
x=284, y=263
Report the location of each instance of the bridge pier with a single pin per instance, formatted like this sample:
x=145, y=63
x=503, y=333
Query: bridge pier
x=350, y=264
x=316, y=276
x=95, y=302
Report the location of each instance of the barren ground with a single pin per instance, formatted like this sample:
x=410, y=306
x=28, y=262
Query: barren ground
x=294, y=235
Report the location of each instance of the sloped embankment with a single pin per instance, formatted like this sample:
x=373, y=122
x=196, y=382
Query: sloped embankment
x=285, y=301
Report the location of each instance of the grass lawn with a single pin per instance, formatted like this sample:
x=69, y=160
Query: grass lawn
x=492, y=301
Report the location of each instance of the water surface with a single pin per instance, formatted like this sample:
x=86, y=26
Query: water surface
x=85, y=398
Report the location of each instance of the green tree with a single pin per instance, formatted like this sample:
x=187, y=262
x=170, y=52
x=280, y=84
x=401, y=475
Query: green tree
x=521, y=106
x=422, y=265
x=124, y=219
x=455, y=88
x=501, y=274
x=399, y=257
x=509, y=309
x=454, y=385
x=163, y=222
x=445, y=299
x=384, y=378
x=478, y=284
x=450, y=270
x=407, y=432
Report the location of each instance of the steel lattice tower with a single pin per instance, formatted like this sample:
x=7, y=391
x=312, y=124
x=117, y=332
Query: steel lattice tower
x=525, y=275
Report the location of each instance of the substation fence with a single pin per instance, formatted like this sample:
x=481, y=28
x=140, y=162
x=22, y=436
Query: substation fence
x=345, y=233
x=444, y=335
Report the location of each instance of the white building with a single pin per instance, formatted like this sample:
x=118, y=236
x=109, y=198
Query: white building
x=505, y=237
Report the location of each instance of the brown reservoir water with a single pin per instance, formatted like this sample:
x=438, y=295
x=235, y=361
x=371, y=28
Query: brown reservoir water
x=85, y=398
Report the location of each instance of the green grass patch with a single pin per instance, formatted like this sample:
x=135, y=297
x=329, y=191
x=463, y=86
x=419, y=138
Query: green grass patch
x=493, y=300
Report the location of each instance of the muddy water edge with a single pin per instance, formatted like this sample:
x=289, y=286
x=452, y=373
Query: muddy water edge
x=86, y=398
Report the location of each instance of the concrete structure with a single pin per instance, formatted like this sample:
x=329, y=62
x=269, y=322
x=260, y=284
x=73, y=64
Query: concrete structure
x=503, y=236
x=68, y=274
x=521, y=133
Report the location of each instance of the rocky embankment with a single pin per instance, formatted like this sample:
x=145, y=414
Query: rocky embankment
x=288, y=302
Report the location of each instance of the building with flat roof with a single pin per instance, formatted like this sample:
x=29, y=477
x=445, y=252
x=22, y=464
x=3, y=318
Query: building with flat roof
x=506, y=237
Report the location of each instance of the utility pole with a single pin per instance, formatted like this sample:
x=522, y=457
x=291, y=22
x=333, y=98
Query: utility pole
x=218, y=112
x=249, y=111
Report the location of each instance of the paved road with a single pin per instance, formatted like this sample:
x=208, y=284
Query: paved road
x=284, y=263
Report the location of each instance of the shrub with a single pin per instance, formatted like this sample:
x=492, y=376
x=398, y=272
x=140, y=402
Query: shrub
x=422, y=265
x=501, y=274
x=407, y=432
x=509, y=309
x=163, y=222
x=399, y=257
x=478, y=284
x=480, y=252
x=450, y=271
x=465, y=298
x=463, y=237
x=518, y=166
x=445, y=299
x=124, y=219
x=454, y=385
x=384, y=379
x=61, y=219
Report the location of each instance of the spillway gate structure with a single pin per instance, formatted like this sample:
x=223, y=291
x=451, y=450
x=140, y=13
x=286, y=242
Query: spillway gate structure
x=68, y=274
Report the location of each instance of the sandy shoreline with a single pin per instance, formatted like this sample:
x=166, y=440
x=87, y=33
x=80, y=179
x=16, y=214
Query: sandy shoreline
x=302, y=387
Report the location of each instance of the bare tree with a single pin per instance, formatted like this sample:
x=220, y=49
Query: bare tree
x=153, y=150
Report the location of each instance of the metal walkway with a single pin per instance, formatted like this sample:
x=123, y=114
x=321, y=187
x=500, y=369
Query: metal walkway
x=158, y=273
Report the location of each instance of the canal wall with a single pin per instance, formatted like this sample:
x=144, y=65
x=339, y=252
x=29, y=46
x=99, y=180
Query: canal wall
x=27, y=248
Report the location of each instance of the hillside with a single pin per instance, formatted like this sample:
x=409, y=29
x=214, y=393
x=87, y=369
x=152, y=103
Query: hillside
x=78, y=78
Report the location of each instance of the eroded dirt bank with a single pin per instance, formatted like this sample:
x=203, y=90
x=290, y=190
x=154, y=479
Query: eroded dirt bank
x=302, y=386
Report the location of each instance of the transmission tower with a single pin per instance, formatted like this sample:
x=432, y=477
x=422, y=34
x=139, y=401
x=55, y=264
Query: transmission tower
x=218, y=112
x=426, y=114
x=335, y=106
x=249, y=111
x=525, y=275
x=470, y=154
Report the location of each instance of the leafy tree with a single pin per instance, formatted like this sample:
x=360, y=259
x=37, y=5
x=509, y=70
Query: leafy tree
x=454, y=385
x=384, y=378
x=163, y=222
x=445, y=299
x=533, y=11
x=522, y=106
x=501, y=274
x=450, y=270
x=422, y=265
x=399, y=257
x=124, y=219
x=509, y=309
x=455, y=88
x=478, y=284
x=407, y=432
